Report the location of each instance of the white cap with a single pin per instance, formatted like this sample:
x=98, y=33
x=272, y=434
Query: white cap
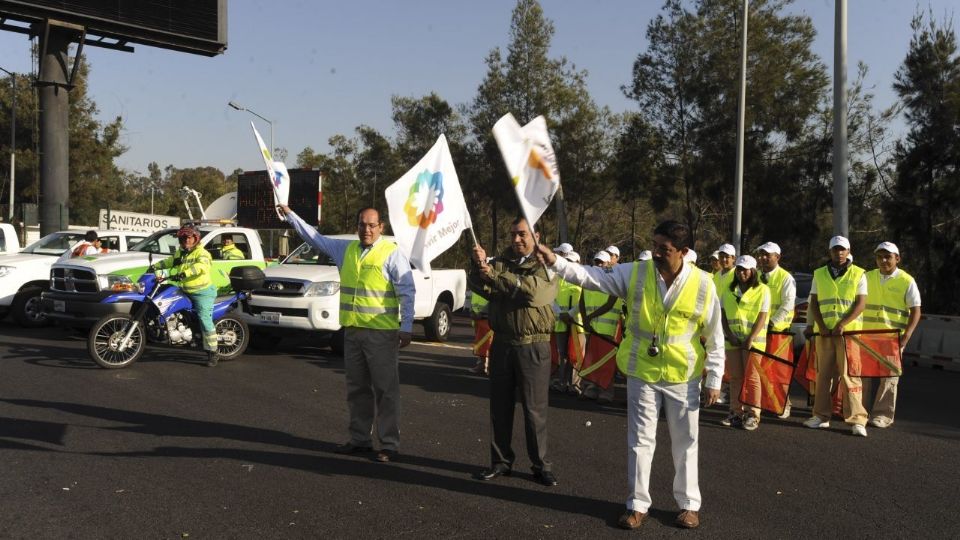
x=768, y=247
x=563, y=248
x=728, y=249
x=746, y=261
x=839, y=241
x=690, y=257
x=645, y=255
x=715, y=255
x=572, y=256
x=613, y=250
x=602, y=255
x=887, y=246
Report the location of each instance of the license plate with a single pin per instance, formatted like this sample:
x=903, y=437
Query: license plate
x=59, y=305
x=270, y=317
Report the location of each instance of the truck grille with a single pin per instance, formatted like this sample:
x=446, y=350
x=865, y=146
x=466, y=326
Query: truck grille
x=73, y=280
x=281, y=287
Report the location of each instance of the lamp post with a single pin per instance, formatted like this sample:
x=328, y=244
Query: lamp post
x=13, y=136
x=239, y=107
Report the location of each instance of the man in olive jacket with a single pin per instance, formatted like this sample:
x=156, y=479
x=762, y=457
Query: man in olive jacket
x=521, y=292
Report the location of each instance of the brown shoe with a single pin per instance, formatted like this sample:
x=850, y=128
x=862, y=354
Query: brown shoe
x=688, y=519
x=632, y=520
x=387, y=456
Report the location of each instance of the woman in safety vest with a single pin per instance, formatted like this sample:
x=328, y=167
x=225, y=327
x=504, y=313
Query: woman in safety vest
x=745, y=305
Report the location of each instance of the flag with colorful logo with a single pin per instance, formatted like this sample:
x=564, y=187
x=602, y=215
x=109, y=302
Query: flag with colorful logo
x=873, y=353
x=530, y=161
x=277, y=173
x=766, y=381
x=427, y=209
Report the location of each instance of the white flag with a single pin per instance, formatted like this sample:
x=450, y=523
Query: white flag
x=427, y=209
x=531, y=163
x=277, y=171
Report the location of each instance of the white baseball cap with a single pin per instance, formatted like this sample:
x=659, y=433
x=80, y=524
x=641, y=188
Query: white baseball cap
x=572, y=256
x=768, y=247
x=839, y=241
x=602, y=255
x=690, y=257
x=887, y=246
x=746, y=261
x=728, y=249
x=715, y=255
x=613, y=250
x=563, y=248
x=645, y=255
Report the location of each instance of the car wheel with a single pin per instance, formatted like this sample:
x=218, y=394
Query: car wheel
x=437, y=327
x=26, y=308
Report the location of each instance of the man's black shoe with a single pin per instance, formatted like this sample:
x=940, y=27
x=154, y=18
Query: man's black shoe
x=493, y=472
x=212, y=359
x=350, y=448
x=545, y=477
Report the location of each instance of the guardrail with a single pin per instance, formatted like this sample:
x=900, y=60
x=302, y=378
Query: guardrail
x=935, y=343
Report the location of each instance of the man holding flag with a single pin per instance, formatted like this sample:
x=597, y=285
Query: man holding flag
x=376, y=310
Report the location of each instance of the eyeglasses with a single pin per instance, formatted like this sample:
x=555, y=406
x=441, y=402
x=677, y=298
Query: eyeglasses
x=368, y=226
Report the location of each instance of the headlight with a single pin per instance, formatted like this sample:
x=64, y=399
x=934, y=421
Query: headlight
x=324, y=288
x=117, y=283
x=6, y=270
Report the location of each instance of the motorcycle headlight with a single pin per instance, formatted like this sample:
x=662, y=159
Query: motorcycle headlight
x=6, y=270
x=323, y=288
x=118, y=283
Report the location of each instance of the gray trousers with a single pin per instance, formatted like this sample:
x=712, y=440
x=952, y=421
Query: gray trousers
x=526, y=367
x=370, y=359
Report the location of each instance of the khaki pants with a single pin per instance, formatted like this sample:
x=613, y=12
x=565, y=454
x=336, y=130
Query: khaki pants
x=566, y=376
x=832, y=370
x=736, y=366
x=885, y=402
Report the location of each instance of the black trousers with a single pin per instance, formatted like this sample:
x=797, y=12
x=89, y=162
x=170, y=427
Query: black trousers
x=526, y=367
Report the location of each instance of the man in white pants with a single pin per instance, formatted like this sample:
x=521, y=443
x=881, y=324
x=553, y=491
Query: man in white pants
x=670, y=305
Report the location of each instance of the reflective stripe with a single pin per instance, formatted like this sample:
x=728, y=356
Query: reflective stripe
x=881, y=321
x=371, y=310
x=368, y=293
x=633, y=316
x=888, y=309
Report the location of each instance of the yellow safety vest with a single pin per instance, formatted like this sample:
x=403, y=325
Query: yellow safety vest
x=886, y=301
x=836, y=296
x=775, y=281
x=742, y=313
x=478, y=304
x=605, y=324
x=367, y=299
x=231, y=252
x=195, y=265
x=681, y=354
x=722, y=281
x=568, y=296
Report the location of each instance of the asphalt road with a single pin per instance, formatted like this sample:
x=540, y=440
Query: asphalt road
x=171, y=449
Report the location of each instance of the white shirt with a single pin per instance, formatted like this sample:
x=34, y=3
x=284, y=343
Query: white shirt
x=616, y=282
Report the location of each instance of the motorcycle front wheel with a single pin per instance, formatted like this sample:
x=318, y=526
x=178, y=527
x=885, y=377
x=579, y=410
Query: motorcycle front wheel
x=106, y=337
x=233, y=336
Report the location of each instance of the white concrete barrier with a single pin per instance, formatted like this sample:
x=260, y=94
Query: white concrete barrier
x=935, y=343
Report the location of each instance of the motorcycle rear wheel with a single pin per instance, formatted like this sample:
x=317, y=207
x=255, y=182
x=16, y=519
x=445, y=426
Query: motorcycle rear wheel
x=103, y=342
x=233, y=337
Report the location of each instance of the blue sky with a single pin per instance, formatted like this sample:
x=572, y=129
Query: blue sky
x=318, y=68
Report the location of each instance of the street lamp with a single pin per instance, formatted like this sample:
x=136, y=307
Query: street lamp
x=239, y=107
x=13, y=136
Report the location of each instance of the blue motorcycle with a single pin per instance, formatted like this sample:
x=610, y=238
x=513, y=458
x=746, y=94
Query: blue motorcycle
x=163, y=314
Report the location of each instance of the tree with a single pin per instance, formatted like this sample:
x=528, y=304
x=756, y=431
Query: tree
x=921, y=209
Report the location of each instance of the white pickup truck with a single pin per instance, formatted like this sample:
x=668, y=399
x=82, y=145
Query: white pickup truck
x=303, y=293
x=26, y=274
x=9, y=242
x=78, y=286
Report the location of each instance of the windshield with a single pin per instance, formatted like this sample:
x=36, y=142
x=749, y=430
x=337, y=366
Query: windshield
x=305, y=254
x=159, y=243
x=54, y=244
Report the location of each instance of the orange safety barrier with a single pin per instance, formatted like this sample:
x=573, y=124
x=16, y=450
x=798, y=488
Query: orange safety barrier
x=766, y=381
x=873, y=353
x=483, y=338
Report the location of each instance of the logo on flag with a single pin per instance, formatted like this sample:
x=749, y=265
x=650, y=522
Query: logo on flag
x=420, y=211
x=427, y=210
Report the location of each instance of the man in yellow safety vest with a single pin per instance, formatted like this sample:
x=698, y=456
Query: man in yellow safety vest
x=783, y=292
x=838, y=295
x=376, y=312
x=670, y=306
x=893, y=301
